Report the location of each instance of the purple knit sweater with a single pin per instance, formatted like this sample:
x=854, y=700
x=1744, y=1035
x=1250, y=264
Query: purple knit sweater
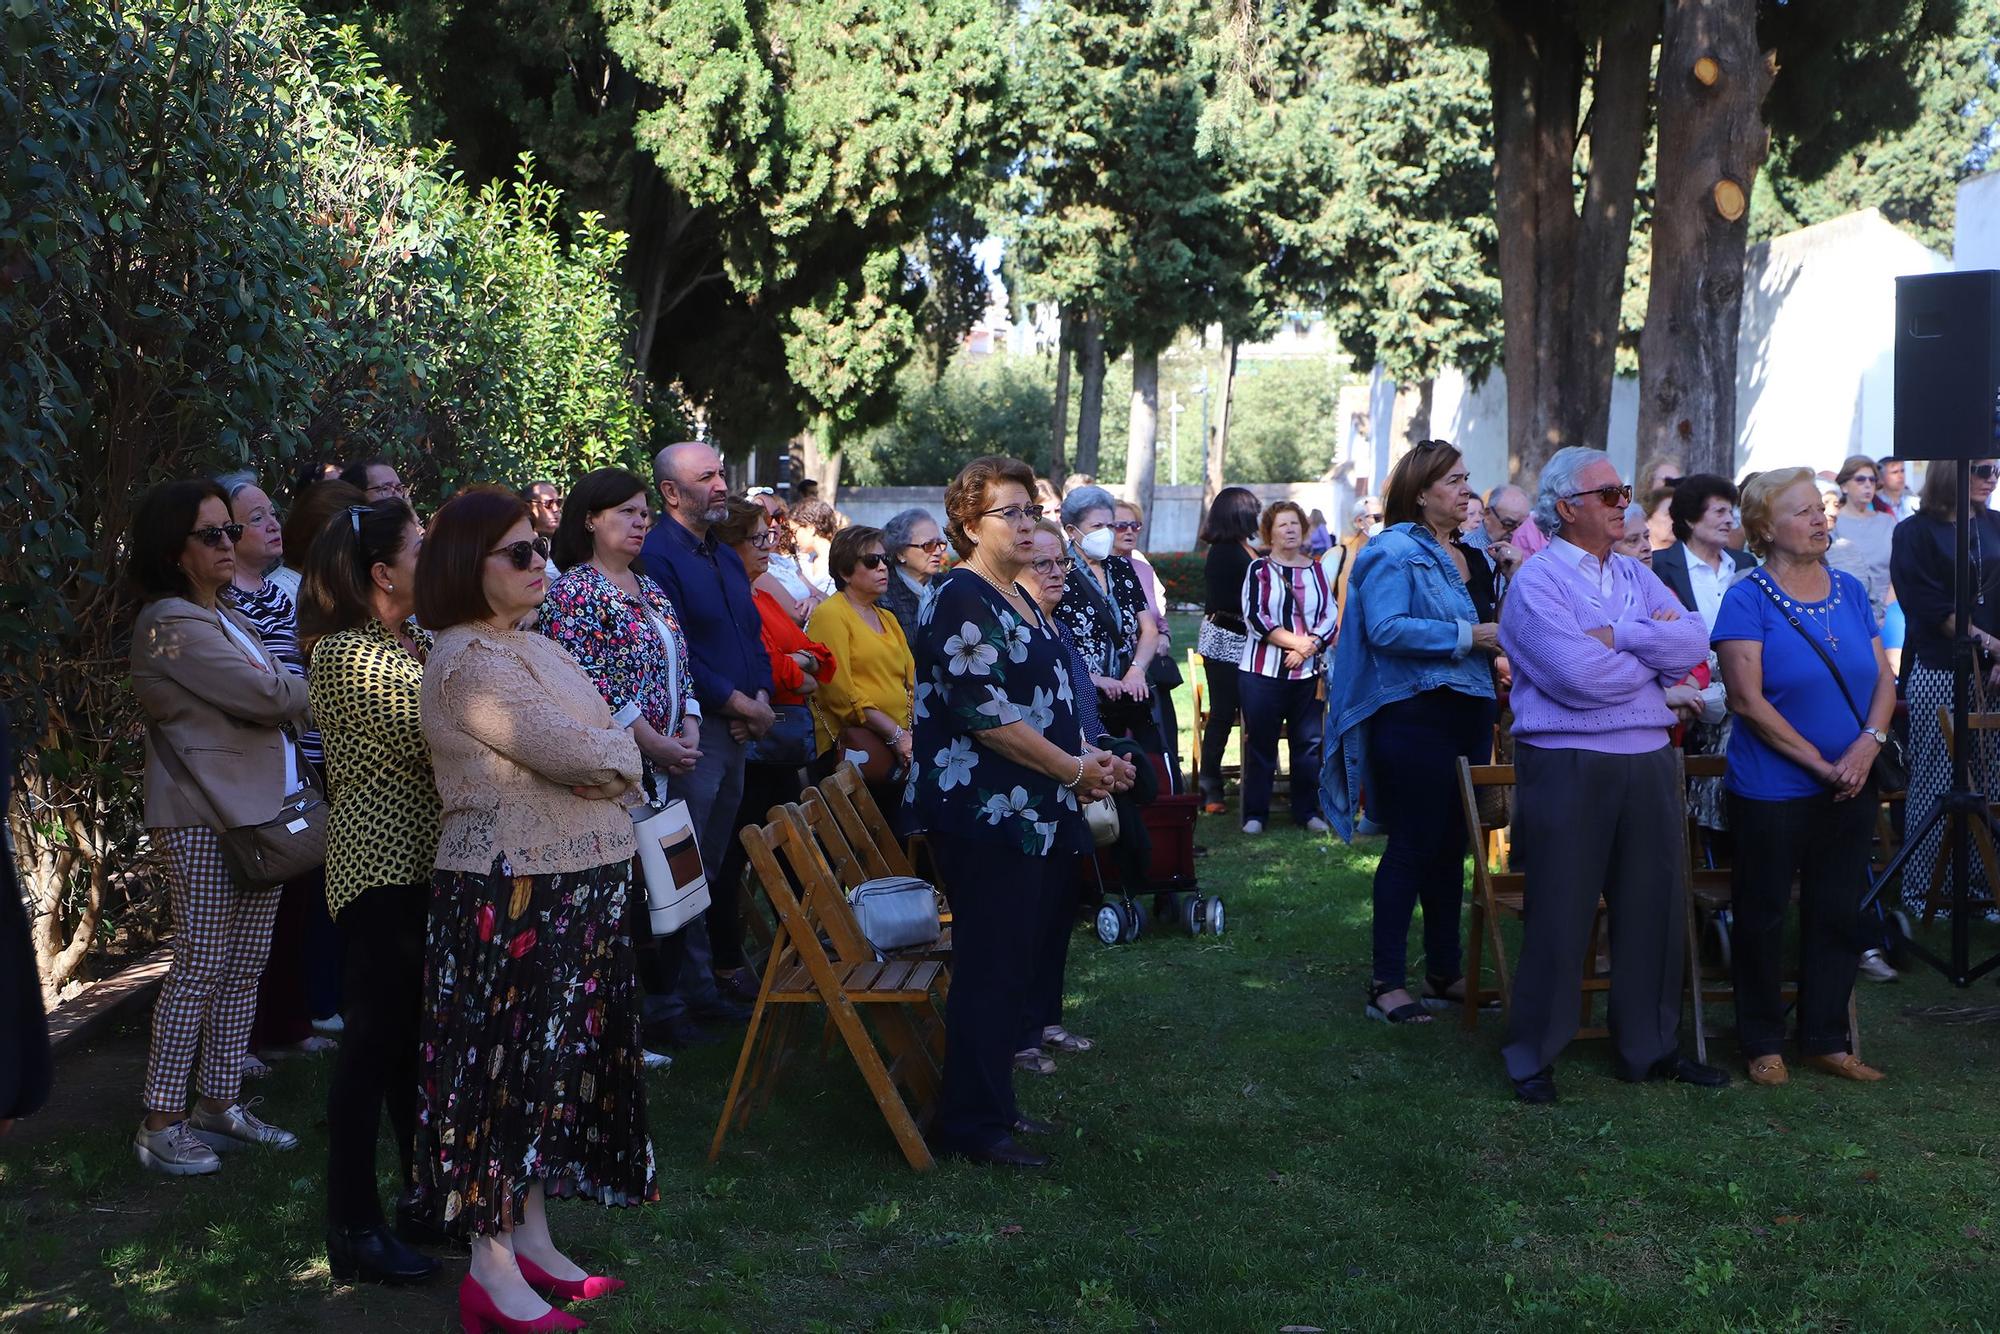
x=1570, y=691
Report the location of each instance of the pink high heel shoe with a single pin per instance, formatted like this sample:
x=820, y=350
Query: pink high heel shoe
x=567, y=1289
x=477, y=1314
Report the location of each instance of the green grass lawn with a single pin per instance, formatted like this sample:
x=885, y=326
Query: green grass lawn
x=1246, y=1152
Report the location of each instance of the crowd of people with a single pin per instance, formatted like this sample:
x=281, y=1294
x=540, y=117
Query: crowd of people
x=490, y=695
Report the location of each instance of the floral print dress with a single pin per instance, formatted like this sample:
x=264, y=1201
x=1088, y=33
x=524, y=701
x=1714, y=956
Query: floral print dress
x=980, y=665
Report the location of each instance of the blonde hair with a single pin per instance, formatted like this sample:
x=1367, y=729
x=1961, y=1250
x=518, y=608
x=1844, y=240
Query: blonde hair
x=1138, y=510
x=1758, y=495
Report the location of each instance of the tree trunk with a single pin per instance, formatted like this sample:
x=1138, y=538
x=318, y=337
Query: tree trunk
x=1218, y=452
x=1712, y=141
x=1059, y=412
x=820, y=463
x=1090, y=390
x=1561, y=274
x=1142, y=442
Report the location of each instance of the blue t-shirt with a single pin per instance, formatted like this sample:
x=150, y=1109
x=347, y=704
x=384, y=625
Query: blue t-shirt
x=1796, y=680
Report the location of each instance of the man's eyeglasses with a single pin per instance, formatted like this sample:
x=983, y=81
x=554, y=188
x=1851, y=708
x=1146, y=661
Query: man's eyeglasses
x=211, y=536
x=524, y=554
x=1505, y=524
x=1016, y=513
x=1986, y=472
x=930, y=548
x=383, y=490
x=1616, y=496
x=1127, y=526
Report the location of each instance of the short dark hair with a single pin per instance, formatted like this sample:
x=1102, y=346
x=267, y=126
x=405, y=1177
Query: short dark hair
x=846, y=550
x=1232, y=516
x=965, y=496
x=1691, y=496
x=817, y=515
x=356, y=473
x=1415, y=473
x=313, y=509
x=336, y=591
x=596, y=491
x=528, y=491
x=451, y=569
x=739, y=520
x=310, y=473
x=160, y=528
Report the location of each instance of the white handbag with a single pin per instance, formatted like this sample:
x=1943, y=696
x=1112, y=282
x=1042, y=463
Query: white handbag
x=1102, y=817
x=676, y=885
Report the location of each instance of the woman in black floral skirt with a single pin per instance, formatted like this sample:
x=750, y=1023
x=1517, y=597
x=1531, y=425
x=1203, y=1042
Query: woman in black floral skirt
x=531, y=1059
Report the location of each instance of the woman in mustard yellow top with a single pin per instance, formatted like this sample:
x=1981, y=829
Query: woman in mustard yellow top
x=876, y=675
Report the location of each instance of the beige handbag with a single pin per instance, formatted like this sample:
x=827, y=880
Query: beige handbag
x=1102, y=817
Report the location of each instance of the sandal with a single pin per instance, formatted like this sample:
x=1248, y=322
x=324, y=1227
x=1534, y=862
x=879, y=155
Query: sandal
x=1438, y=994
x=1033, y=1062
x=1409, y=1012
x=1057, y=1038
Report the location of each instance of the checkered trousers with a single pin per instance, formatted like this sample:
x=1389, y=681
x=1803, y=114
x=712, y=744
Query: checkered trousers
x=222, y=935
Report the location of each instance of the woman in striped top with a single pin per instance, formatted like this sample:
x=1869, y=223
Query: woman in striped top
x=1288, y=608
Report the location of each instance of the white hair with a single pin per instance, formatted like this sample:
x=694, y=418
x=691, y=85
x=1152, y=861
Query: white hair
x=1083, y=500
x=1558, y=482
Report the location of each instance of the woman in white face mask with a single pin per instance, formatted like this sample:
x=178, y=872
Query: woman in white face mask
x=1104, y=609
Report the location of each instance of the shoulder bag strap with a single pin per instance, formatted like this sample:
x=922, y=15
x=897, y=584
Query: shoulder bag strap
x=1763, y=581
x=1100, y=604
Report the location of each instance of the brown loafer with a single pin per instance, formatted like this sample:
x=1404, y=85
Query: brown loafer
x=1769, y=1071
x=1846, y=1065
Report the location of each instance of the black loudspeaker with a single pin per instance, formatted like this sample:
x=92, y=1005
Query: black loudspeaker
x=1948, y=365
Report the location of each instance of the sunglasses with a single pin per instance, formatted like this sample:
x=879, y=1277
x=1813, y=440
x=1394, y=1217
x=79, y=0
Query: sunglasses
x=1867, y=477
x=1127, y=526
x=874, y=560
x=1618, y=496
x=1985, y=472
x=524, y=554
x=211, y=536
x=1016, y=513
x=930, y=548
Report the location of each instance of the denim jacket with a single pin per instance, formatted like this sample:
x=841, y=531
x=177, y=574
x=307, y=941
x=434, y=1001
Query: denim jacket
x=1406, y=629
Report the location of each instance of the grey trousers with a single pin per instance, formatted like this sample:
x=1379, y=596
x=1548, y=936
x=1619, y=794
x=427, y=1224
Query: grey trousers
x=1590, y=823
x=713, y=792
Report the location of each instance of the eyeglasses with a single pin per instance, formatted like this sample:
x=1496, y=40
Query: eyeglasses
x=1127, y=526
x=387, y=489
x=1047, y=566
x=1986, y=472
x=874, y=560
x=764, y=541
x=1617, y=496
x=524, y=554
x=1506, y=524
x=1016, y=513
x=930, y=548
x=211, y=536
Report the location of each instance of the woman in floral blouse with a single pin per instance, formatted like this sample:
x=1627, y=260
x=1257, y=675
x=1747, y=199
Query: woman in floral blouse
x=998, y=770
x=1104, y=609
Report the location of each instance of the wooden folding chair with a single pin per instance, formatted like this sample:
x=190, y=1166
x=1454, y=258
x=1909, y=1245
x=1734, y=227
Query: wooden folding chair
x=1979, y=724
x=868, y=831
x=1710, y=893
x=854, y=862
x=842, y=976
x=1197, y=677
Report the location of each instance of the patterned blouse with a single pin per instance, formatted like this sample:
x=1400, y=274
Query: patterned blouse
x=1298, y=598
x=1109, y=650
x=270, y=609
x=610, y=634
x=383, y=826
x=979, y=665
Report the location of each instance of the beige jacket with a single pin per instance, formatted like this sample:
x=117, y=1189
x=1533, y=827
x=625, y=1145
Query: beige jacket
x=214, y=710
x=513, y=724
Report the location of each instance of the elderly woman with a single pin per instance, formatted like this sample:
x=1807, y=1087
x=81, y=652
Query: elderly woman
x=1105, y=612
x=1921, y=567
x=1862, y=534
x=916, y=554
x=1411, y=694
x=781, y=580
x=1289, y=609
x=1163, y=674
x=219, y=756
x=1700, y=565
x=1595, y=639
x=381, y=841
x=1000, y=765
x=1227, y=531
x=870, y=696
x=1811, y=686
x=530, y=1038
x=1636, y=543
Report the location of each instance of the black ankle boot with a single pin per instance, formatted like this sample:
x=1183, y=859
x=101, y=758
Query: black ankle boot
x=415, y=1226
x=375, y=1255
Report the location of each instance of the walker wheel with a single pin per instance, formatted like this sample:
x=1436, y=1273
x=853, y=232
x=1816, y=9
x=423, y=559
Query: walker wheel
x=1135, y=915
x=1110, y=924
x=1191, y=913
x=1217, y=919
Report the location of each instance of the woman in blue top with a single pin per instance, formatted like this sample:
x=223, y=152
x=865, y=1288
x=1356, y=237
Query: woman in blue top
x=1411, y=692
x=1799, y=759
x=998, y=771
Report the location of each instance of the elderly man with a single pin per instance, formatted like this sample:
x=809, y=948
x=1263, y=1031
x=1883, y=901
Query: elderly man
x=1595, y=640
x=1366, y=520
x=732, y=678
x=1506, y=512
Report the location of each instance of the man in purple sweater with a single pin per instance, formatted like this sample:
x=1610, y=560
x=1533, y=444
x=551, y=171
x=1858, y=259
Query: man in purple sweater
x=1595, y=640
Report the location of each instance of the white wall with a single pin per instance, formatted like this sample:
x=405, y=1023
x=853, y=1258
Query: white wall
x=1975, y=241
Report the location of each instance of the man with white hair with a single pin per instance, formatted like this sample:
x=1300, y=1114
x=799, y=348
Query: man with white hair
x=1595, y=640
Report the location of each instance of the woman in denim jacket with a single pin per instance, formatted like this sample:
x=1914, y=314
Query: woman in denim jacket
x=1412, y=692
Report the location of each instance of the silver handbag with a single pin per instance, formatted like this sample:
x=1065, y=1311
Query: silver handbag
x=896, y=912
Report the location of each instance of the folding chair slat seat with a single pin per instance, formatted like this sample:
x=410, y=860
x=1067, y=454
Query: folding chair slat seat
x=844, y=977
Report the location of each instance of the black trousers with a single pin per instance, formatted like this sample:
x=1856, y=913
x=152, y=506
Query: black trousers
x=1269, y=705
x=384, y=932
x=1825, y=844
x=764, y=786
x=1000, y=901
x=1224, y=703
x=1045, y=992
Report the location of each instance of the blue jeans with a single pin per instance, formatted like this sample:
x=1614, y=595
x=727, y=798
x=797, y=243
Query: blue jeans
x=1414, y=747
x=1268, y=704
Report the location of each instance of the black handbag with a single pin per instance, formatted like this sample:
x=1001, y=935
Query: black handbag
x=1891, y=770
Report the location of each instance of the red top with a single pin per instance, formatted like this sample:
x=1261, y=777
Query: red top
x=782, y=638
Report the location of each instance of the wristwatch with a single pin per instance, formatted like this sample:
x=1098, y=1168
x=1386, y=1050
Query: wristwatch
x=1880, y=736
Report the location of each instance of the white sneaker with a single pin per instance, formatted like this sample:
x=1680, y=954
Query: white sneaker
x=1877, y=968
x=1316, y=825
x=332, y=1026
x=174, y=1151
x=1253, y=826
x=655, y=1060
x=238, y=1126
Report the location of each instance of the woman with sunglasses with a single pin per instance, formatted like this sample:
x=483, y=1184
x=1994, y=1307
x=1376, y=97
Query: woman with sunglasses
x=916, y=554
x=1922, y=560
x=532, y=1085
x=1863, y=535
x=217, y=758
x=871, y=691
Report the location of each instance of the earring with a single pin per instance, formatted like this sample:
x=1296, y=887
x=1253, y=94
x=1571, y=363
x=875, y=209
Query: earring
x=392, y=588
